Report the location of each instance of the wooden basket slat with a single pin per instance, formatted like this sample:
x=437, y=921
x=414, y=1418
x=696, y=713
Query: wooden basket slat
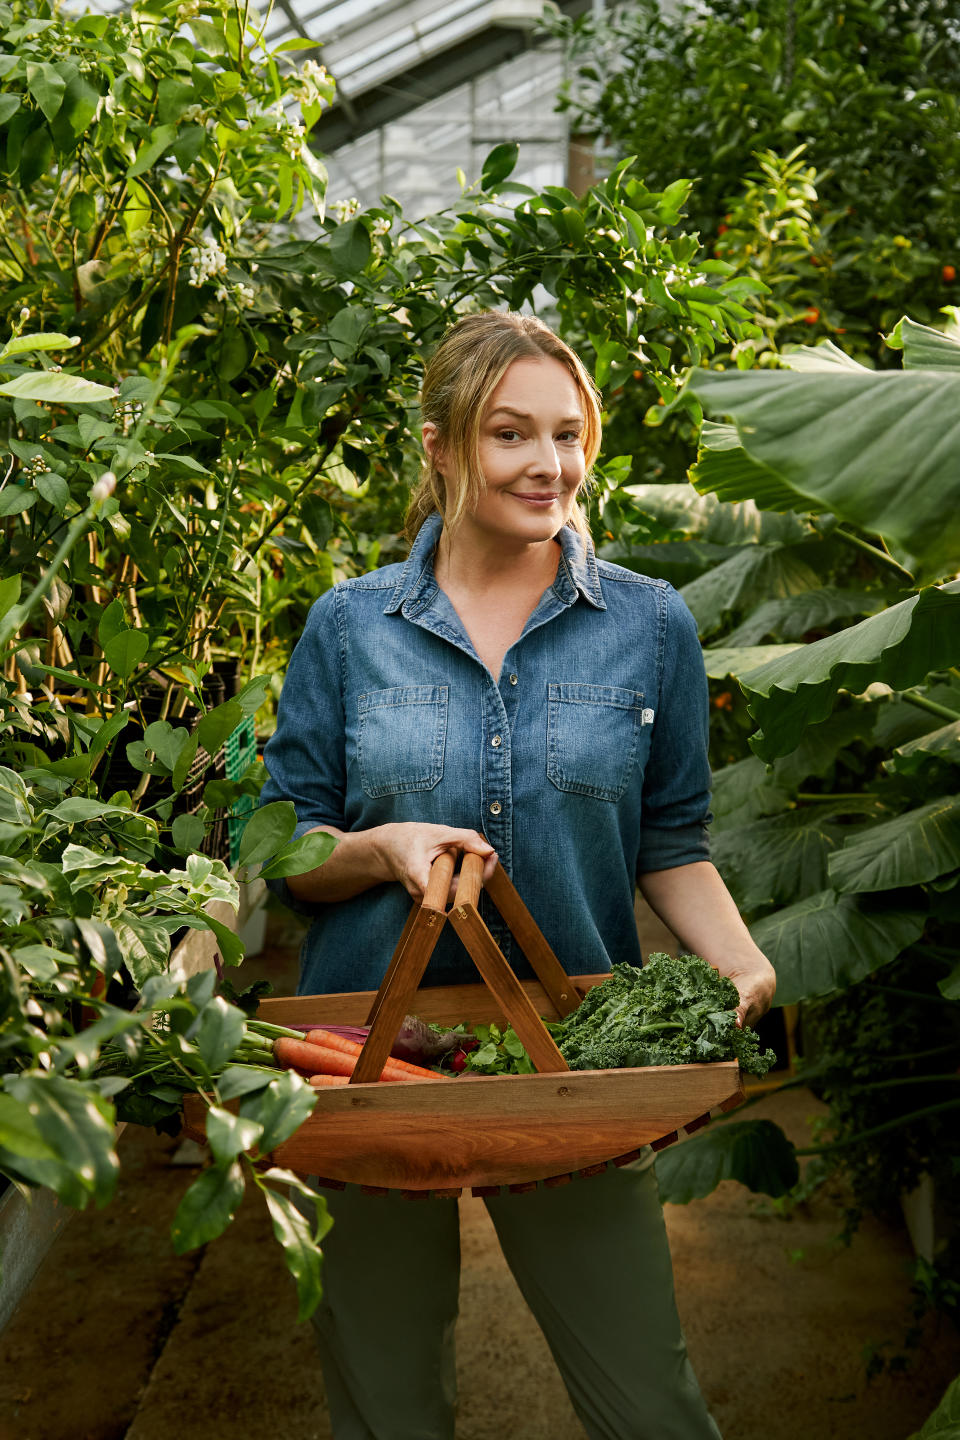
x=440, y=1004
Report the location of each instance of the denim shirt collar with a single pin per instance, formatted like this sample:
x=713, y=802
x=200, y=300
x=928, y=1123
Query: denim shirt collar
x=577, y=572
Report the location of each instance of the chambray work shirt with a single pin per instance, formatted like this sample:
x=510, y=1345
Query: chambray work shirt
x=584, y=763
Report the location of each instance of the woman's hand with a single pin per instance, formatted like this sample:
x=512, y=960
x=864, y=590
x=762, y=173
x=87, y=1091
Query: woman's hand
x=756, y=981
x=407, y=850
x=694, y=903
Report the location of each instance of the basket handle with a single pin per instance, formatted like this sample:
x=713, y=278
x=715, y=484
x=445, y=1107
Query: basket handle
x=524, y=929
x=497, y=974
x=405, y=971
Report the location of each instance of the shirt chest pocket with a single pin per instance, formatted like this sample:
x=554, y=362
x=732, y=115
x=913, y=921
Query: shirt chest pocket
x=593, y=738
x=400, y=738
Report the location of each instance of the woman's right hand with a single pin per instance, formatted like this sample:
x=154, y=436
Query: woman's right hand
x=407, y=850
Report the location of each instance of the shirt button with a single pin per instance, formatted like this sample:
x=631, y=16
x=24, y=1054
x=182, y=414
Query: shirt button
x=497, y=740
x=495, y=808
x=513, y=679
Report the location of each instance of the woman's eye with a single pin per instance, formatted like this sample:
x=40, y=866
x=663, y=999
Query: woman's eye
x=509, y=434
x=570, y=437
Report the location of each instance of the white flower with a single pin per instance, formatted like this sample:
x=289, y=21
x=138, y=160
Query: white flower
x=345, y=209
x=313, y=85
x=381, y=226
x=223, y=293
x=104, y=487
x=192, y=113
x=208, y=262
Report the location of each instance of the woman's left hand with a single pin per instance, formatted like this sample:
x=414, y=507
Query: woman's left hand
x=756, y=980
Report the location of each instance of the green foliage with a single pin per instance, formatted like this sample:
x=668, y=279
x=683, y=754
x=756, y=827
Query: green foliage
x=843, y=850
x=870, y=89
x=943, y=1423
x=670, y=1012
x=754, y=1152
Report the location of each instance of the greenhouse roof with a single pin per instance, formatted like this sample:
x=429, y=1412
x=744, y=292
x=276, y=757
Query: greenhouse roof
x=393, y=57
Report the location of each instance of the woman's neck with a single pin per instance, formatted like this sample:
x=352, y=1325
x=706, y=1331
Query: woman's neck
x=476, y=565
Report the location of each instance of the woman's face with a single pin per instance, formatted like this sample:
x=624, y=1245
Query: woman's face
x=531, y=454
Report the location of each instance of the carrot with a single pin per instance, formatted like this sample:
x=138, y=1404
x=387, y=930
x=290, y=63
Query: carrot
x=319, y=1060
x=330, y=1041
x=319, y=1080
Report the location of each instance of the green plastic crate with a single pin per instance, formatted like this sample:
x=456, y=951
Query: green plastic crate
x=240, y=751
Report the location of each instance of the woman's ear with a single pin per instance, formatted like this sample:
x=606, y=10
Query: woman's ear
x=430, y=445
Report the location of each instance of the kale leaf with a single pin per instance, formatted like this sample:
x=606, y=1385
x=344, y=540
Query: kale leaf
x=672, y=1012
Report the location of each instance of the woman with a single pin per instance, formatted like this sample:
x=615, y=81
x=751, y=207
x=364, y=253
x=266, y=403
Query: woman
x=505, y=692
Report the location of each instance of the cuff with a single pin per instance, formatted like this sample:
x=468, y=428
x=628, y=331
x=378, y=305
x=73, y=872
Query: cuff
x=666, y=849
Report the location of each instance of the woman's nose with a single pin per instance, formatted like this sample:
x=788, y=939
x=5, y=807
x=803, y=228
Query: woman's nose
x=547, y=460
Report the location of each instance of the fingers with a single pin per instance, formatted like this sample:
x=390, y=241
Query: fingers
x=418, y=846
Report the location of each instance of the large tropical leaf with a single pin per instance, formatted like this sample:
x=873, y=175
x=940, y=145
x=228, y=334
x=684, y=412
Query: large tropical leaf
x=825, y=356
x=912, y=849
x=725, y=470
x=878, y=448
x=828, y=941
x=678, y=561
x=779, y=858
x=944, y=1423
x=723, y=660
x=745, y=790
x=707, y=518
x=925, y=348
x=755, y=1152
x=898, y=648
x=940, y=744
x=759, y=572
x=794, y=616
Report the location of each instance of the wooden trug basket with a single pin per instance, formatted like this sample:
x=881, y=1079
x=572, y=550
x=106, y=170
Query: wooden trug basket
x=485, y=1132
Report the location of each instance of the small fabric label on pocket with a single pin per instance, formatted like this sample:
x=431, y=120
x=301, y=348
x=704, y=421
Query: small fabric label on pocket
x=646, y=717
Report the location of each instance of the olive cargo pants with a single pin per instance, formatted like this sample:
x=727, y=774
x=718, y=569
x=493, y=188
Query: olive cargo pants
x=592, y=1261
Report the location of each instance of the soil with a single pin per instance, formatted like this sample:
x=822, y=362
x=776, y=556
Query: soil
x=120, y=1339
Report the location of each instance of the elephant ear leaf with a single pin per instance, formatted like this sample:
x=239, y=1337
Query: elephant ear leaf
x=755, y=1152
x=898, y=647
x=873, y=447
x=944, y=1423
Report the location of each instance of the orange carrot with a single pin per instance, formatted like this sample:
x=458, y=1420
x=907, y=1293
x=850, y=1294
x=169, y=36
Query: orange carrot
x=319, y=1080
x=331, y=1041
x=319, y=1060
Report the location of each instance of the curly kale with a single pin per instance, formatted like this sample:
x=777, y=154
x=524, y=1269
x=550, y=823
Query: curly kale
x=672, y=1012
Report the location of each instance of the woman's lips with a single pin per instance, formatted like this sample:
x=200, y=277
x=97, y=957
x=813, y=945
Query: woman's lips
x=540, y=501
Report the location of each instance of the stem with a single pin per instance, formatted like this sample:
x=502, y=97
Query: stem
x=880, y=1129
x=810, y=797
x=880, y=556
x=16, y=616
x=284, y=510
x=268, y=1029
x=913, y=994
x=923, y=702
x=904, y=1080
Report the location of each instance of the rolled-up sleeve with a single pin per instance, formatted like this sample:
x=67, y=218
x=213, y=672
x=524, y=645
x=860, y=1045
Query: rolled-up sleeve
x=676, y=790
x=305, y=757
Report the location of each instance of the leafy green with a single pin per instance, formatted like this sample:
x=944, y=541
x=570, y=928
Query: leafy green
x=672, y=1012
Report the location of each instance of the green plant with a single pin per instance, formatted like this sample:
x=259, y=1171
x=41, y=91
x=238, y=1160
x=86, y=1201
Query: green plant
x=869, y=88
x=248, y=386
x=838, y=836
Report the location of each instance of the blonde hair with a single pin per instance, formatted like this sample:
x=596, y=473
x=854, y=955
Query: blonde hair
x=458, y=381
